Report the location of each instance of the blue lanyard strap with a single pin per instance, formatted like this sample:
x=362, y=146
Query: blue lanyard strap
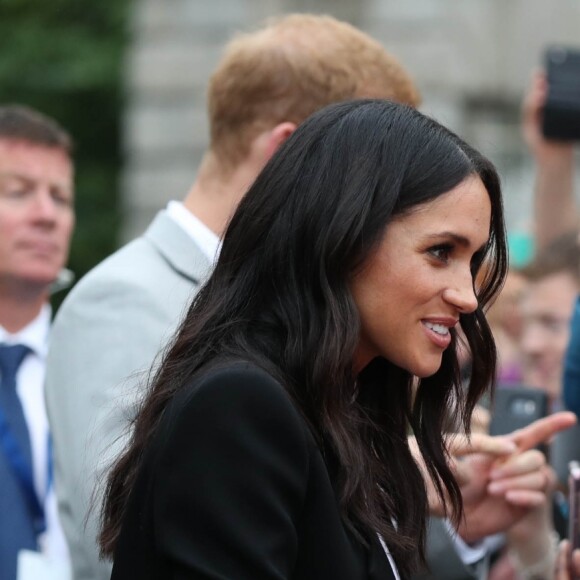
x=23, y=472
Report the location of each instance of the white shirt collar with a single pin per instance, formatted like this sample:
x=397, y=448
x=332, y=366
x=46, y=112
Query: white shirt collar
x=33, y=335
x=205, y=238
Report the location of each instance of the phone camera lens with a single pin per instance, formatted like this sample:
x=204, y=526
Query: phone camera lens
x=523, y=407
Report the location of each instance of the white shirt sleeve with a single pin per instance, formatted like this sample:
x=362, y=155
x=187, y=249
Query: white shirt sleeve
x=471, y=554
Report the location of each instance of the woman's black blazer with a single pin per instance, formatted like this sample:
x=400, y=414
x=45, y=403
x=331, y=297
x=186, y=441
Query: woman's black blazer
x=234, y=487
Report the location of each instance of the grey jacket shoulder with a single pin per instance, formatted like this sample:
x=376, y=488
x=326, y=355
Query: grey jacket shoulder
x=155, y=262
x=152, y=279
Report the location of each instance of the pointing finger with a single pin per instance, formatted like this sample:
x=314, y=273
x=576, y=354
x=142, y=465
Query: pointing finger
x=459, y=445
x=542, y=430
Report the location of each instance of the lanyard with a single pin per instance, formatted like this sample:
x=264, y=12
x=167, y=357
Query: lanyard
x=23, y=472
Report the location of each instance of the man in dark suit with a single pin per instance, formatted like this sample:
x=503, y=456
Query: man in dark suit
x=36, y=222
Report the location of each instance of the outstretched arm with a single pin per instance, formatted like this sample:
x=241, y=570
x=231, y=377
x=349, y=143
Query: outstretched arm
x=555, y=210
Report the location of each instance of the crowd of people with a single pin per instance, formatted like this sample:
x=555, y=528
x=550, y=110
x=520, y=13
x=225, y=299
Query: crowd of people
x=283, y=377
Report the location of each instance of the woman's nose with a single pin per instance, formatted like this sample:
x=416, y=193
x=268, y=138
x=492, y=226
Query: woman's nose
x=462, y=297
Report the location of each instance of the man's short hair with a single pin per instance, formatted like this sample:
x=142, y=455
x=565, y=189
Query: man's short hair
x=560, y=255
x=290, y=68
x=20, y=123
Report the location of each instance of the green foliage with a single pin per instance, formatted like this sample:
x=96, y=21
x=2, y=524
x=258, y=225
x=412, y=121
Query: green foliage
x=65, y=58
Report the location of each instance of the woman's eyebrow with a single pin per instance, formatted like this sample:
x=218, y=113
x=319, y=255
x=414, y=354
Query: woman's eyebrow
x=458, y=238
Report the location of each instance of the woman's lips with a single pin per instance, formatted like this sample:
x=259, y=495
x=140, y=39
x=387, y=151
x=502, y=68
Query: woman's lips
x=438, y=331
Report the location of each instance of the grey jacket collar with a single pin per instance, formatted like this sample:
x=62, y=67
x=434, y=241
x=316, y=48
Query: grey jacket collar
x=180, y=251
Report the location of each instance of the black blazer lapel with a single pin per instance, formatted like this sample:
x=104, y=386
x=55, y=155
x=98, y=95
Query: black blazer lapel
x=379, y=567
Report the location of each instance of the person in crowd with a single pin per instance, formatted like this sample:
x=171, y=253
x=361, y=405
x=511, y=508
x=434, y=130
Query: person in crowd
x=115, y=320
x=505, y=320
x=532, y=548
x=36, y=223
x=571, y=383
x=556, y=211
x=497, y=496
x=276, y=424
x=546, y=305
x=546, y=308
x=552, y=282
x=531, y=545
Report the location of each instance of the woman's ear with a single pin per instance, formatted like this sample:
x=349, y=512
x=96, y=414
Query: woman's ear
x=277, y=136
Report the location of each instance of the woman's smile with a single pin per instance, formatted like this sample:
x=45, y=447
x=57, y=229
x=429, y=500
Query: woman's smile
x=438, y=332
x=413, y=288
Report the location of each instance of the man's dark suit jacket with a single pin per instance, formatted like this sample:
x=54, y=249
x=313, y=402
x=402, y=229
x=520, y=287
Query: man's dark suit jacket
x=234, y=487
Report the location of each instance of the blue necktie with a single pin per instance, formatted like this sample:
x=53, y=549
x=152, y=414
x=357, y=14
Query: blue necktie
x=11, y=356
x=18, y=528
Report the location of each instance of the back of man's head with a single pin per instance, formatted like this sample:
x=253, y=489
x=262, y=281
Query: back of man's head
x=290, y=68
x=20, y=123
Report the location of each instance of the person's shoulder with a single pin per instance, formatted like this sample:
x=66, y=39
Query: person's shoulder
x=111, y=285
x=233, y=408
x=240, y=394
x=134, y=277
x=237, y=380
x=125, y=266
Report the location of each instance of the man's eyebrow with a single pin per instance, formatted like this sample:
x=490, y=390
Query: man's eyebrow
x=10, y=174
x=31, y=181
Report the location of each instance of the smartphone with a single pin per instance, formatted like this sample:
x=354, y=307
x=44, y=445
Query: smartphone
x=516, y=407
x=574, y=504
x=561, y=118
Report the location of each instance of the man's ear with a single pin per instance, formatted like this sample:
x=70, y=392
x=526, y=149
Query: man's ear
x=277, y=136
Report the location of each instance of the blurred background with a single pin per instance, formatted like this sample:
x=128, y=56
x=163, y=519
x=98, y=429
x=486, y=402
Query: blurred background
x=128, y=78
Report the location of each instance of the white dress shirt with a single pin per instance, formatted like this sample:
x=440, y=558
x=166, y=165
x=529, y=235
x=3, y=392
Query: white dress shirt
x=30, y=390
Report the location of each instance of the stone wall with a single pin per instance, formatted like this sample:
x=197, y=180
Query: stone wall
x=471, y=58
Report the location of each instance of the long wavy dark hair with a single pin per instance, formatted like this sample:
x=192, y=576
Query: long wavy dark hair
x=279, y=297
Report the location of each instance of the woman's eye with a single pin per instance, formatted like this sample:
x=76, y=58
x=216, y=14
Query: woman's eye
x=441, y=252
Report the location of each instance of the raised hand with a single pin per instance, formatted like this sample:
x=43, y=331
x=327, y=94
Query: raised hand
x=501, y=478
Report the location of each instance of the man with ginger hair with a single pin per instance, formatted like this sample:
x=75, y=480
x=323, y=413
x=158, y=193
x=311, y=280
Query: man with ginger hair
x=117, y=318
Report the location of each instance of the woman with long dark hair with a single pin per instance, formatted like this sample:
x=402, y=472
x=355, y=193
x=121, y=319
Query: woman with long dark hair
x=273, y=440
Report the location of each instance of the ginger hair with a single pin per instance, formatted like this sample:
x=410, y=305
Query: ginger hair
x=290, y=68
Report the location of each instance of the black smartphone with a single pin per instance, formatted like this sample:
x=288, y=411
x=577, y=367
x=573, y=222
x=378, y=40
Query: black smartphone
x=516, y=407
x=561, y=118
x=574, y=504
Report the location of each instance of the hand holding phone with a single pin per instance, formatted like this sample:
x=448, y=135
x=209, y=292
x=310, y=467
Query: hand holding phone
x=561, y=119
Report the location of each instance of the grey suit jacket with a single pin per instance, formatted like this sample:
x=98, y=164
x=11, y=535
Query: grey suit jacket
x=443, y=559
x=104, y=339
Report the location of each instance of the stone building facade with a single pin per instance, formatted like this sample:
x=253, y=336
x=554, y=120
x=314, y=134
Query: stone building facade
x=472, y=60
